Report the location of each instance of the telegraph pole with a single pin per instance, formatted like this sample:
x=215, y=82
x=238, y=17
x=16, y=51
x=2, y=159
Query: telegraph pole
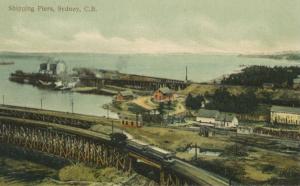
x=72, y=105
x=41, y=103
x=236, y=142
x=196, y=151
x=107, y=111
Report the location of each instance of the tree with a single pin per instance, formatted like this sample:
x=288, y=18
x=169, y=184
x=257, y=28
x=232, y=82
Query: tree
x=169, y=105
x=224, y=101
x=281, y=77
x=161, y=108
x=194, y=103
x=189, y=101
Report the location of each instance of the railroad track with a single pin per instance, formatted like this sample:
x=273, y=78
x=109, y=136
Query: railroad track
x=64, y=118
x=93, y=147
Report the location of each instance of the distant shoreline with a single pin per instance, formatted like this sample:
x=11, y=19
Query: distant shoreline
x=295, y=56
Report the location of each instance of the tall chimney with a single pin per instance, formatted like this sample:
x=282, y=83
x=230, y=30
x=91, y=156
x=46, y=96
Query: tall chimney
x=186, y=73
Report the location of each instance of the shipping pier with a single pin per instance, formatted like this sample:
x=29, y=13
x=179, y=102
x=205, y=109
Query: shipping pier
x=54, y=75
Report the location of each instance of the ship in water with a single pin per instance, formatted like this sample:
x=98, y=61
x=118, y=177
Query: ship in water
x=7, y=62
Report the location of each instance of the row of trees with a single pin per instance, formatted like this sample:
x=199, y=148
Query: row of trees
x=281, y=77
x=223, y=100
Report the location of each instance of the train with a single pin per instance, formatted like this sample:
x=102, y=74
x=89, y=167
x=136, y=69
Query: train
x=156, y=153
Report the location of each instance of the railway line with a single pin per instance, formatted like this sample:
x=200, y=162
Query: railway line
x=64, y=118
x=51, y=132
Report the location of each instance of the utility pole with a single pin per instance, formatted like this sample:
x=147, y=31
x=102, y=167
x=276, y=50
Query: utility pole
x=236, y=142
x=196, y=151
x=72, y=105
x=41, y=103
x=107, y=111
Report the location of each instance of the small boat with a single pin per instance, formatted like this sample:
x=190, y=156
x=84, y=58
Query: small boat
x=7, y=63
x=69, y=86
x=26, y=80
x=44, y=83
x=65, y=88
x=58, y=85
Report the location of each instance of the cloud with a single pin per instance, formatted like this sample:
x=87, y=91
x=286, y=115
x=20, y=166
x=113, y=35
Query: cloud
x=92, y=41
x=28, y=40
x=140, y=26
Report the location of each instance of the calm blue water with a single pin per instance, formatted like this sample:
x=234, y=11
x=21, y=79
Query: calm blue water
x=200, y=68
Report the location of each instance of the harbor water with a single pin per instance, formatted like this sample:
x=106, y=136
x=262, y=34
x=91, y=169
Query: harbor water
x=200, y=68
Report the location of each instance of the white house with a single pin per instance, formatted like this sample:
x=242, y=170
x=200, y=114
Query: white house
x=216, y=118
x=226, y=120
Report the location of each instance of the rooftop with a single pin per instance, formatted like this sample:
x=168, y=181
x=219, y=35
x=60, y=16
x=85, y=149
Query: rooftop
x=293, y=110
x=126, y=93
x=223, y=116
x=133, y=117
x=165, y=90
x=207, y=113
x=297, y=80
x=268, y=84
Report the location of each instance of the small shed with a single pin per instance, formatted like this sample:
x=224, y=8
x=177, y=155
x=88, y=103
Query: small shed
x=124, y=96
x=131, y=120
x=268, y=85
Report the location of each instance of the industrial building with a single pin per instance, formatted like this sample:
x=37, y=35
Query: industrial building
x=285, y=115
x=53, y=68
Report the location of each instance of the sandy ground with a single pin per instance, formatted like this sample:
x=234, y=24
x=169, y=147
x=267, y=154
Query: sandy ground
x=145, y=102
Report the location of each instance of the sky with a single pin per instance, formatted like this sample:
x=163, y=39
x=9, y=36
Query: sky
x=152, y=26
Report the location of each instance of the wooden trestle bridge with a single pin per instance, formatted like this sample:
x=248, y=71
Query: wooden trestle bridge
x=66, y=135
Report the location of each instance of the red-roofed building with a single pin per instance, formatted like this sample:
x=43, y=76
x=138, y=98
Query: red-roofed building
x=163, y=94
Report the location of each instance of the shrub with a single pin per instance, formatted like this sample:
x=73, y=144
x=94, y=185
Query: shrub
x=267, y=168
x=235, y=150
x=77, y=172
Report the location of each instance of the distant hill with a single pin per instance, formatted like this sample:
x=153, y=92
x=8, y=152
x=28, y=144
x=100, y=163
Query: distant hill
x=289, y=55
